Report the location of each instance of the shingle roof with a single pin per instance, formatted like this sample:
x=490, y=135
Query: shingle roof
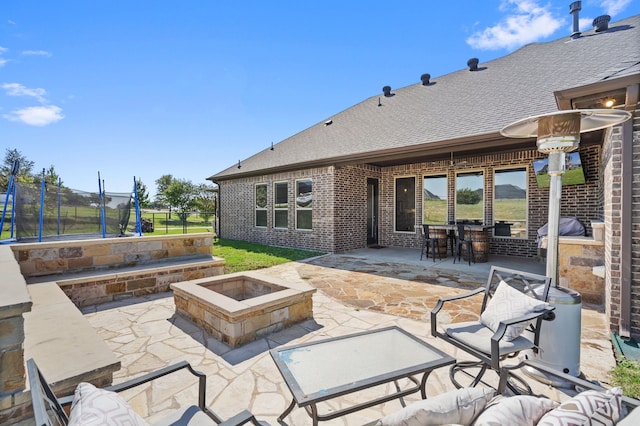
x=461, y=104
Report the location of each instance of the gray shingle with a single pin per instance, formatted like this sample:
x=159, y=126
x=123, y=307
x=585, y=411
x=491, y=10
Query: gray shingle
x=460, y=104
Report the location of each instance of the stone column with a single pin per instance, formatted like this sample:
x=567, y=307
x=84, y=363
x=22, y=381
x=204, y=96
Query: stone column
x=14, y=301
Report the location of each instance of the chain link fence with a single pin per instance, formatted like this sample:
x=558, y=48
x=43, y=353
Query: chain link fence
x=165, y=222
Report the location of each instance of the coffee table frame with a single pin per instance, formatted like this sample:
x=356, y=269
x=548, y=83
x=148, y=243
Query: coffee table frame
x=282, y=358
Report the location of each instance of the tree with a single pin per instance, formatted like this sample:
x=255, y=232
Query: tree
x=181, y=194
x=468, y=196
x=143, y=195
x=162, y=183
x=51, y=176
x=205, y=201
x=24, y=172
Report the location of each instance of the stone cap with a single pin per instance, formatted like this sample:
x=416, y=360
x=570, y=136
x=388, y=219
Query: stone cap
x=14, y=297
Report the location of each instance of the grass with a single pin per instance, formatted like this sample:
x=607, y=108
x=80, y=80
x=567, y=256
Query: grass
x=626, y=374
x=244, y=256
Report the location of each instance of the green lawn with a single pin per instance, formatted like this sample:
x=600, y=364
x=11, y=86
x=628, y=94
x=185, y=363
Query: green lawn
x=245, y=256
x=626, y=374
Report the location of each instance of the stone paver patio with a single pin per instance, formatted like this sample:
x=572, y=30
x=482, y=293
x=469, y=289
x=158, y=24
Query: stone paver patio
x=355, y=294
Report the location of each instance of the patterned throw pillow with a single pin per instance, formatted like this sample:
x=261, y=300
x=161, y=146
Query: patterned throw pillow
x=508, y=303
x=460, y=406
x=587, y=408
x=521, y=410
x=92, y=407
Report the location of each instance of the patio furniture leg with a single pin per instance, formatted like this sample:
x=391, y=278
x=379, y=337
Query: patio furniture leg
x=423, y=385
x=398, y=390
x=288, y=410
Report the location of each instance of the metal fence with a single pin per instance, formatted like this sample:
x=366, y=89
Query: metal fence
x=165, y=222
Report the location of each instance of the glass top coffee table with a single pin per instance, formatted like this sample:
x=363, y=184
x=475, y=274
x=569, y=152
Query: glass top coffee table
x=325, y=369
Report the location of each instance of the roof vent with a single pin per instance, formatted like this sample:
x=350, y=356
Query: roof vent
x=473, y=64
x=574, y=8
x=425, y=79
x=328, y=122
x=387, y=91
x=601, y=23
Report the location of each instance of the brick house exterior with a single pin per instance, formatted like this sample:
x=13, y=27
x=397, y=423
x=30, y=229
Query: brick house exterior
x=449, y=126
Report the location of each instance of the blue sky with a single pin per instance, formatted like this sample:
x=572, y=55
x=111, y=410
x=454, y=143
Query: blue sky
x=146, y=88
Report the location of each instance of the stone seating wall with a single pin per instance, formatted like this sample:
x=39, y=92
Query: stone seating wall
x=92, y=271
x=43, y=284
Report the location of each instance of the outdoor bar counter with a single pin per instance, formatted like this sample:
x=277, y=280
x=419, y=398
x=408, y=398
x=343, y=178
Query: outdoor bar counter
x=479, y=235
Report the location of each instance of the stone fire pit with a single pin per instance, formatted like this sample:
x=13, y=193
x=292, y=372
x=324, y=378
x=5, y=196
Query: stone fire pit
x=241, y=307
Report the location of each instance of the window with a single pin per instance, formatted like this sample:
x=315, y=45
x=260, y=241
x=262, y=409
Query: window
x=261, y=204
x=405, y=204
x=510, y=203
x=470, y=197
x=434, y=199
x=280, y=204
x=304, y=204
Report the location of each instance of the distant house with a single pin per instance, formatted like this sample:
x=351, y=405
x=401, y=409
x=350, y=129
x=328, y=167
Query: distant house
x=360, y=177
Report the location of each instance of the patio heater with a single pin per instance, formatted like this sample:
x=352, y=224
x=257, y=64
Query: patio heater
x=557, y=134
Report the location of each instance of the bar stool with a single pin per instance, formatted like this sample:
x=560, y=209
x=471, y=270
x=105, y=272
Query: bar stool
x=467, y=243
x=452, y=239
x=429, y=243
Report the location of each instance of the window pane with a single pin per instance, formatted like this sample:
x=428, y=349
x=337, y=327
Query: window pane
x=261, y=196
x=261, y=218
x=405, y=204
x=281, y=195
x=281, y=218
x=510, y=203
x=304, y=197
x=470, y=197
x=304, y=219
x=434, y=205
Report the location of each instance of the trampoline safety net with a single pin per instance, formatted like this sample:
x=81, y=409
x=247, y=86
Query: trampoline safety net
x=69, y=212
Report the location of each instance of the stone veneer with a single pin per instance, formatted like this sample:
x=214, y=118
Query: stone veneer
x=63, y=257
x=118, y=267
x=14, y=302
x=242, y=307
x=577, y=256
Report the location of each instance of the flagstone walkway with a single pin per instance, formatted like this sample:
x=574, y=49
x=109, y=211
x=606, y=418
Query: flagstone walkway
x=354, y=295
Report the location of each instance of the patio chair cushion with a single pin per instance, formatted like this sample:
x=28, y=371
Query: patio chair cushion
x=586, y=408
x=460, y=406
x=508, y=303
x=478, y=336
x=93, y=406
x=522, y=410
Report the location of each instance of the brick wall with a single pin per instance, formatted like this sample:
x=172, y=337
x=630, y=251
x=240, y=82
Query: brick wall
x=237, y=217
x=351, y=199
x=344, y=228
x=635, y=231
x=581, y=201
x=612, y=203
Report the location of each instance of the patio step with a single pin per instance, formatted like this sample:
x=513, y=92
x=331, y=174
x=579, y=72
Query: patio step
x=66, y=347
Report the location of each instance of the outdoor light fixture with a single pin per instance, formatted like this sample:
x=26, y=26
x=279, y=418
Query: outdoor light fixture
x=557, y=134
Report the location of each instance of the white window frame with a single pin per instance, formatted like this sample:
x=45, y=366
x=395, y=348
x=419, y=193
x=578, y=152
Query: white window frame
x=446, y=178
x=526, y=183
x=395, y=205
x=299, y=208
x=484, y=192
x=257, y=208
x=276, y=204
